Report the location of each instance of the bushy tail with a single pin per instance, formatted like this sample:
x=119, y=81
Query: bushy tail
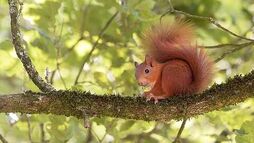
x=168, y=42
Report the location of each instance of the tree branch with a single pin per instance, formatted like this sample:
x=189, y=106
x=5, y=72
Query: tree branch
x=237, y=48
x=2, y=139
x=214, y=22
x=73, y=103
x=210, y=19
x=20, y=51
x=229, y=45
x=178, y=139
x=42, y=133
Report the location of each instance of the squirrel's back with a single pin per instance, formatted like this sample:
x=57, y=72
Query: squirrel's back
x=167, y=42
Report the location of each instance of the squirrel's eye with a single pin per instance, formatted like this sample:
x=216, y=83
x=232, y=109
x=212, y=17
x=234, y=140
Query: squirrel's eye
x=146, y=70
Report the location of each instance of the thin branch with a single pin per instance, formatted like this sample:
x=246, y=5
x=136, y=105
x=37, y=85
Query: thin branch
x=69, y=103
x=95, y=135
x=51, y=81
x=86, y=58
x=74, y=45
x=245, y=32
x=42, y=133
x=233, y=50
x=89, y=136
x=178, y=136
x=214, y=22
x=20, y=51
x=233, y=44
x=58, y=54
x=177, y=139
x=230, y=51
x=3, y=139
x=60, y=75
x=29, y=129
x=170, y=5
x=82, y=25
x=81, y=33
x=229, y=45
x=210, y=19
x=47, y=72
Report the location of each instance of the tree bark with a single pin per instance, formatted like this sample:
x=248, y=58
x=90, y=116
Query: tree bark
x=74, y=103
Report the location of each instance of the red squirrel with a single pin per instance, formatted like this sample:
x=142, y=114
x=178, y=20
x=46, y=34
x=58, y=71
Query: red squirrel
x=172, y=65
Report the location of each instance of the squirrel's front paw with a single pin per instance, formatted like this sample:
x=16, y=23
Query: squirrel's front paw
x=149, y=96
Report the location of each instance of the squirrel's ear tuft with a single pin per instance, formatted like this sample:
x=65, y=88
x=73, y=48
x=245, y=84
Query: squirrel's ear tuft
x=149, y=60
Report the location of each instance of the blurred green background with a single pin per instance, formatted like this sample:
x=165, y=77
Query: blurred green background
x=58, y=34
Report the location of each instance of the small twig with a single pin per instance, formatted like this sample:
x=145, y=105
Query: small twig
x=81, y=32
x=214, y=22
x=233, y=50
x=58, y=54
x=95, y=135
x=51, y=81
x=85, y=117
x=58, y=66
x=74, y=45
x=244, y=33
x=59, y=38
x=47, y=75
x=170, y=5
x=178, y=136
x=20, y=51
x=233, y=44
x=87, y=123
x=60, y=75
x=3, y=139
x=42, y=133
x=171, y=9
x=225, y=29
x=177, y=139
x=210, y=19
x=29, y=129
x=86, y=58
x=83, y=17
x=89, y=136
x=228, y=45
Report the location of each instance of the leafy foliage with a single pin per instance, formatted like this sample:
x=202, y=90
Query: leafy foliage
x=245, y=134
x=59, y=35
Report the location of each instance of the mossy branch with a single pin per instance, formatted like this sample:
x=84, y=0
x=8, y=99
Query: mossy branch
x=73, y=103
x=15, y=11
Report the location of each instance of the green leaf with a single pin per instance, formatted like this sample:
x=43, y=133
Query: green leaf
x=101, y=79
x=5, y=45
x=246, y=133
x=126, y=125
x=46, y=13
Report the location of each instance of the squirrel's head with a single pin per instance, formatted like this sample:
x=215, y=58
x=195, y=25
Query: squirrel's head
x=148, y=72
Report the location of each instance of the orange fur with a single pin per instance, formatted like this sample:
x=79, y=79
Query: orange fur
x=175, y=65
